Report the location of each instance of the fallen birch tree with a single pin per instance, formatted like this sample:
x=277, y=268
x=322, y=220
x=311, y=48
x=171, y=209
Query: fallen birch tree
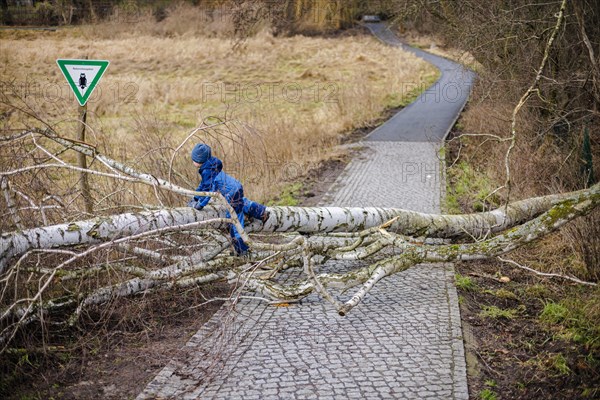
x=43, y=269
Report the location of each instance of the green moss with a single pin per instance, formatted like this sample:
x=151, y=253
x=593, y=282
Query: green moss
x=487, y=394
x=559, y=364
x=468, y=190
x=464, y=282
x=561, y=211
x=289, y=196
x=94, y=232
x=442, y=153
x=554, y=313
x=575, y=318
x=73, y=228
x=498, y=313
x=502, y=294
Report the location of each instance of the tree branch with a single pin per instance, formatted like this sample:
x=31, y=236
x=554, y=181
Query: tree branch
x=532, y=89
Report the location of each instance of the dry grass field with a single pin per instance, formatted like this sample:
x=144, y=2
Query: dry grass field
x=288, y=100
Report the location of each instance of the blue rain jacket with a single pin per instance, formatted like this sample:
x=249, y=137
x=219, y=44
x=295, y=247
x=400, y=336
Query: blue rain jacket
x=215, y=180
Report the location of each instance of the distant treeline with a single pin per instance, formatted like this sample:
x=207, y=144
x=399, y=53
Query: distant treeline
x=53, y=12
x=301, y=14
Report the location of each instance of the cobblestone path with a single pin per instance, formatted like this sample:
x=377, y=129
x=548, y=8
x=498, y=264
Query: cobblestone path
x=404, y=341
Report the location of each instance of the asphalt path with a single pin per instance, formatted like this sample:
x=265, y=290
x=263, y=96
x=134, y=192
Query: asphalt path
x=431, y=116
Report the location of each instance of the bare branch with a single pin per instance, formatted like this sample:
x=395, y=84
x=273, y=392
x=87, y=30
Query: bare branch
x=532, y=89
x=546, y=274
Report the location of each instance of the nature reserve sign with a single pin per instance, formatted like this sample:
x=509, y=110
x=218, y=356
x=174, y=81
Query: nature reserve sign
x=82, y=76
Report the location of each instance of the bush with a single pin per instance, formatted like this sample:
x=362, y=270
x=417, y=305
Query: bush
x=46, y=13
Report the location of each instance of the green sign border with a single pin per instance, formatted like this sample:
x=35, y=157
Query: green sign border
x=103, y=64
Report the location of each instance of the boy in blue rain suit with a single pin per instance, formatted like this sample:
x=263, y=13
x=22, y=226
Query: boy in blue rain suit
x=215, y=180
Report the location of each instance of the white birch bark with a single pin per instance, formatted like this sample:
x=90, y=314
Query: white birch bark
x=310, y=220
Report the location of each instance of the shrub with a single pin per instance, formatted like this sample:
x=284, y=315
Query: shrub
x=46, y=13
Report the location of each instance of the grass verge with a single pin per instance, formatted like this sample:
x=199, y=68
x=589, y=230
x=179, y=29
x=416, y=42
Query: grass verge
x=539, y=341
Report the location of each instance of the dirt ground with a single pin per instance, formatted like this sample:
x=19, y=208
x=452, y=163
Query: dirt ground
x=112, y=355
x=514, y=355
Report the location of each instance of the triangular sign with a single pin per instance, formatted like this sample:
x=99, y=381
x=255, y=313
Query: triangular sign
x=82, y=76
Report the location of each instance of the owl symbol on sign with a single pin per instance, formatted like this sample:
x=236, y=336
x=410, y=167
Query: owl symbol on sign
x=82, y=80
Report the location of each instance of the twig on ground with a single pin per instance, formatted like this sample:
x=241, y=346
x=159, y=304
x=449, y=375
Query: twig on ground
x=546, y=274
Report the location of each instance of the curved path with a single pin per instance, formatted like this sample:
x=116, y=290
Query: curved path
x=431, y=116
x=403, y=342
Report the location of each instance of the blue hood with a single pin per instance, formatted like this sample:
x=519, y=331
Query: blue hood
x=213, y=164
x=215, y=180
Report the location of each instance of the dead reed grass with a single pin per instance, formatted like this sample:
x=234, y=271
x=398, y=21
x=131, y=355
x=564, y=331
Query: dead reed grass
x=292, y=98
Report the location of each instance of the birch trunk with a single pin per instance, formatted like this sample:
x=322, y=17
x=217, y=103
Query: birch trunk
x=309, y=220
